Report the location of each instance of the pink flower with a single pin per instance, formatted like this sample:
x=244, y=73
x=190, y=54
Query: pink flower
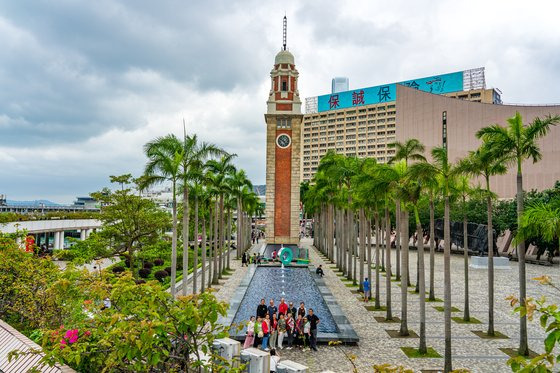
x=87, y=332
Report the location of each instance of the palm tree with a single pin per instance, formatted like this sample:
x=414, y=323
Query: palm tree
x=445, y=171
x=164, y=159
x=237, y=180
x=464, y=191
x=192, y=161
x=411, y=149
x=485, y=162
x=411, y=193
x=386, y=179
x=221, y=168
x=518, y=142
x=540, y=219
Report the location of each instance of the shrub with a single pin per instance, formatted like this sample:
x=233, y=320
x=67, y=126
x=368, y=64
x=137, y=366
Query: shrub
x=118, y=269
x=158, y=262
x=148, y=265
x=168, y=270
x=127, y=263
x=140, y=281
x=160, y=275
x=144, y=272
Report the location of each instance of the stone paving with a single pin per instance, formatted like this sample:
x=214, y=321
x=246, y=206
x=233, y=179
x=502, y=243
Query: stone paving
x=376, y=347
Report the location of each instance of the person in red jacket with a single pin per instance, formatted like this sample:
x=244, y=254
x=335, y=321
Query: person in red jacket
x=266, y=332
x=282, y=308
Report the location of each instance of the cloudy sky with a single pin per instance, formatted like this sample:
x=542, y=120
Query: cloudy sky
x=84, y=84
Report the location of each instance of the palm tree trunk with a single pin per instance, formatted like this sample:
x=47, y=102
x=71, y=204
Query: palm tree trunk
x=173, y=245
x=349, y=229
x=398, y=223
x=221, y=237
x=195, y=251
x=466, y=315
x=185, y=238
x=383, y=234
x=432, y=295
x=447, y=287
x=215, y=241
x=354, y=249
x=404, y=274
x=230, y=221
x=523, y=346
x=203, y=272
x=238, y=235
x=211, y=244
x=377, y=246
x=490, y=268
x=362, y=227
x=422, y=348
x=389, y=315
x=369, y=254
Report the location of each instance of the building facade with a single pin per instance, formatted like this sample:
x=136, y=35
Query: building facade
x=363, y=122
x=420, y=117
x=283, y=150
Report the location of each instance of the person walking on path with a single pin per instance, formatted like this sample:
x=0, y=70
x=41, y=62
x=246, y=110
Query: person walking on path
x=367, y=290
x=290, y=329
x=244, y=260
x=306, y=333
x=273, y=331
x=282, y=307
x=250, y=338
x=281, y=330
x=319, y=271
x=258, y=332
x=266, y=332
x=313, y=321
x=262, y=309
x=254, y=261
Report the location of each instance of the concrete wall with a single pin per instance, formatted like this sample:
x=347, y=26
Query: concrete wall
x=419, y=116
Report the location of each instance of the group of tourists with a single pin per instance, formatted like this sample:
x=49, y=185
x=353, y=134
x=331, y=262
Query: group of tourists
x=272, y=325
x=248, y=259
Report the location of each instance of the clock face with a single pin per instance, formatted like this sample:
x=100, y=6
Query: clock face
x=283, y=141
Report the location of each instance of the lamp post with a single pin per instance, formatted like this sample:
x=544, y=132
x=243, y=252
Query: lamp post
x=444, y=129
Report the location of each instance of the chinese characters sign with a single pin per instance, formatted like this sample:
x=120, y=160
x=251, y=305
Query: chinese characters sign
x=438, y=84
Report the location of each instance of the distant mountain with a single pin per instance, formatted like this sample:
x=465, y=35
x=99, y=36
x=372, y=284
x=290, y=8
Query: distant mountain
x=37, y=202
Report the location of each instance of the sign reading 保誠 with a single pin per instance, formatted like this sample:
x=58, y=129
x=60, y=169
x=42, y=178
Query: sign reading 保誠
x=446, y=83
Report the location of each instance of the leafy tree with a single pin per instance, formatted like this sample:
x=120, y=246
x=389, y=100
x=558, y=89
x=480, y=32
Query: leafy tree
x=129, y=223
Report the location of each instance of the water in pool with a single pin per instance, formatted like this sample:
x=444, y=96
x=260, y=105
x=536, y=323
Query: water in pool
x=291, y=283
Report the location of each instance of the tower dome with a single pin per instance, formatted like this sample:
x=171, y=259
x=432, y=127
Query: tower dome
x=284, y=56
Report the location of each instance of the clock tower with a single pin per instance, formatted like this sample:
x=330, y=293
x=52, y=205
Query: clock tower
x=283, y=151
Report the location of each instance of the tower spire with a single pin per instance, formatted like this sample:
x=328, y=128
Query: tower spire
x=285, y=34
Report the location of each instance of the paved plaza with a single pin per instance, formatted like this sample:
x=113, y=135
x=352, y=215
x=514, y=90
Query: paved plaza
x=377, y=347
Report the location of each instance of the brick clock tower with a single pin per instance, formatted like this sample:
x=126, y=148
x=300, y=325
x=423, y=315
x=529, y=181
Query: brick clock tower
x=283, y=151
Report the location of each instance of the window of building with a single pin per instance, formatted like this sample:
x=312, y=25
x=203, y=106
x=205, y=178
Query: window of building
x=284, y=123
x=284, y=85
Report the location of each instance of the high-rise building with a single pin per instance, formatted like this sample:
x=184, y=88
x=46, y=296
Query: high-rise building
x=366, y=122
x=362, y=122
x=340, y=84
x=283, y=149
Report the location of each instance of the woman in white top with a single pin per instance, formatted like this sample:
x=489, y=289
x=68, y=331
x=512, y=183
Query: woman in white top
x=249, y=339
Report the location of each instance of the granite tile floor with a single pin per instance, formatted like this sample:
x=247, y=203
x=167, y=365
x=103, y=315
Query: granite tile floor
x=377, y=347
